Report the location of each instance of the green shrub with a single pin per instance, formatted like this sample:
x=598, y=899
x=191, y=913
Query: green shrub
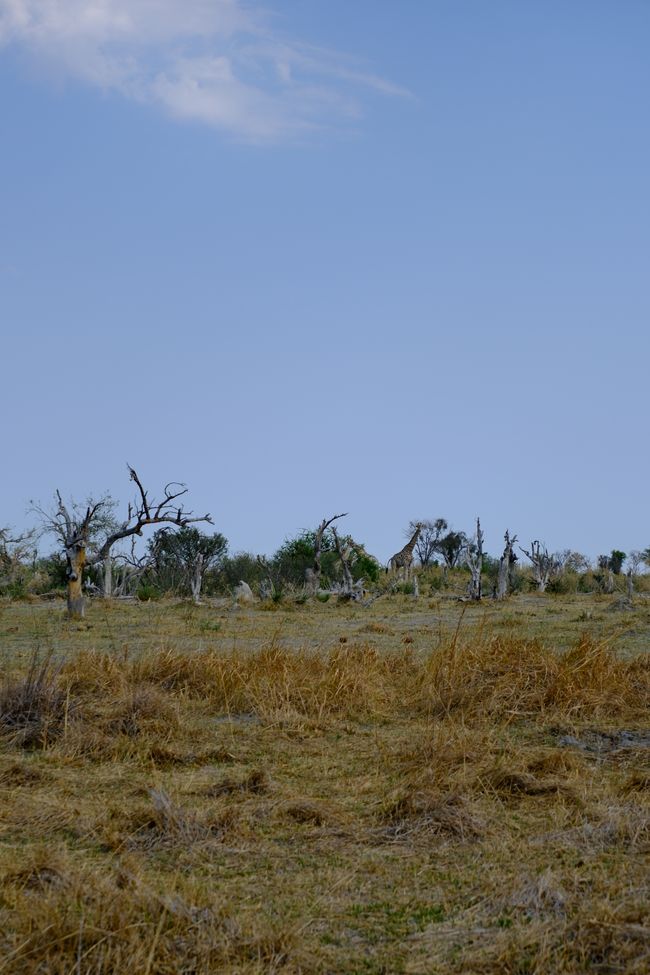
x=563, y=584
x=146, y=592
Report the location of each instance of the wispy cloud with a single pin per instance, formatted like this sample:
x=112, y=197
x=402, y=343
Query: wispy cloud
x=219, y=62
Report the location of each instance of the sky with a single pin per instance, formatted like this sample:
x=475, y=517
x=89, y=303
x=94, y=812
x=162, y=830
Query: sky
x=312, y=256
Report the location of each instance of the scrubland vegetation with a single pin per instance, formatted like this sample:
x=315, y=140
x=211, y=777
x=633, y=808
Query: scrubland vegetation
x=302, y=786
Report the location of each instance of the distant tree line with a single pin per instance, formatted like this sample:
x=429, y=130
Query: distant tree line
x=96, y=551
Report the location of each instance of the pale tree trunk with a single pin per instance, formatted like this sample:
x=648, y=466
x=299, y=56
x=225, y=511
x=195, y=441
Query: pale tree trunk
x=108, y=577
x=474, y=562
x=196, y=578
x=76, y=602
x=344, y=555
x=505, y=566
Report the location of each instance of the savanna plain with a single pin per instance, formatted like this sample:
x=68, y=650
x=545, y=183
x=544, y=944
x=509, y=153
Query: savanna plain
x=410, y=786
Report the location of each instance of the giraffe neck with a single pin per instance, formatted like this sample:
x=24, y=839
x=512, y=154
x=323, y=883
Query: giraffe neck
x=411, y=544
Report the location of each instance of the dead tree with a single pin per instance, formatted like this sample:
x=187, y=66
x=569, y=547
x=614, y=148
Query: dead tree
x=506, y=563
x=313, y=574
x=73, y=528
x=142, y=512
x=128, y=571
x=544, y=564
x=634, y=561
x=474, y=562
x=345, y=549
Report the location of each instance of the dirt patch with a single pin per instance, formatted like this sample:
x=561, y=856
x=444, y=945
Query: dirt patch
x=606, y=742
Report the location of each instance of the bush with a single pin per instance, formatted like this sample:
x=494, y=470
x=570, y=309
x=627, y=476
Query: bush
x=33, y=707
x=147, y=592
x=563, y=584
x=240, y=567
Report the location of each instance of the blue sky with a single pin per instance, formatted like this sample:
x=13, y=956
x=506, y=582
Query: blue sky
x=322, y=255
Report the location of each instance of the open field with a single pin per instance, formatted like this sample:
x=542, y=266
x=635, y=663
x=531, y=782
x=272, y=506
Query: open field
x=418, y=787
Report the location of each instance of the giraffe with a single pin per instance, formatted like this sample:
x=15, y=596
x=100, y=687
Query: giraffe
x=404, y=558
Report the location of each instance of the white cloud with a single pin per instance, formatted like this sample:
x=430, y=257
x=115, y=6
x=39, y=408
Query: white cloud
x=214, y=61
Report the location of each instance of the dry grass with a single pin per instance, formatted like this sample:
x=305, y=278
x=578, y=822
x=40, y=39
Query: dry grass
x=472, y=801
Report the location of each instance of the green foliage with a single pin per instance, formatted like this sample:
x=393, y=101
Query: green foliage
x=451, y=546
x=365, y=567
x=174, y=556
x=616, y=560
x=612, y=562
x=296, y=555
x=405, y=588
x=240, y=567
x=146, y=592
x=563, y=584
x=55, y=568
x=16, y=588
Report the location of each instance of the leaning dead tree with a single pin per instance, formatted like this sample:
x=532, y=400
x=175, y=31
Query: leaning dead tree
x=474, y=562
x=544, y=564
x=506, y=563
x=142, y=512
x=313, y=574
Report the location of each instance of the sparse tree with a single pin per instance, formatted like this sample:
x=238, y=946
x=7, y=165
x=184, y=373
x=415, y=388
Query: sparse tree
x=451, y=547
x=189, y=554
x=544, y=564
x=506, y=562
x=576, y=562
x=426, y=546
x=474, y=560
x=634, y=562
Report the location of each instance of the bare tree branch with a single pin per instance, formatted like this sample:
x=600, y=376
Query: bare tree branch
x=544, y=564
x=143, y=512
x=314, y=573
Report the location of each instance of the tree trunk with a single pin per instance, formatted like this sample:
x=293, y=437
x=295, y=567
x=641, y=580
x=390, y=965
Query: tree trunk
x=76, y=601
x=347, y=590
x=313, y=574
x=196, y=579
x=474, y=562
x=505, y=566
x=108, y=577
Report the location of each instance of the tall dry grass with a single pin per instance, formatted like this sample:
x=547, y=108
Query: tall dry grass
x=501, y=676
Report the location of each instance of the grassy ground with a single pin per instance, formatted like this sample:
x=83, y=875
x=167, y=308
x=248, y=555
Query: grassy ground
x=411, y=787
